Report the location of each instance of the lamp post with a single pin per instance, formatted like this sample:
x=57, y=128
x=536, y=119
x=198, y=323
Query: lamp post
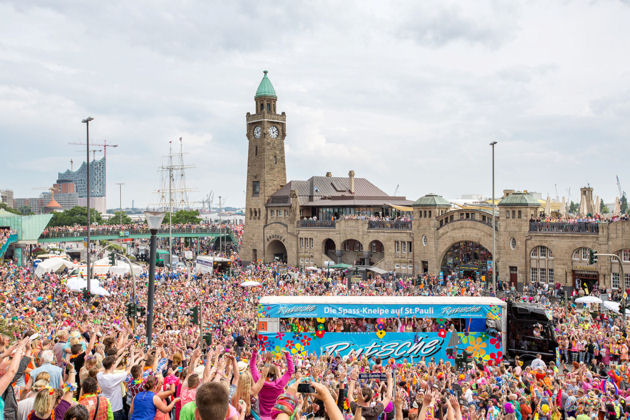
x=154, y=220
x=120, y=184
x=86, y=121
x=494, y=228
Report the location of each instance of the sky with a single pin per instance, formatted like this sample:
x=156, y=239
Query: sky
x=407, y=94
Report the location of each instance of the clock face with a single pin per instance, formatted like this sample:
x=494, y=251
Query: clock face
x=273, y=132
x=257, y=132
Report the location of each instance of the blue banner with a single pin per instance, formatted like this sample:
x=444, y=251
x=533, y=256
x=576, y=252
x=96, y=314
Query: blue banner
x=407, y=347
x=373, y=311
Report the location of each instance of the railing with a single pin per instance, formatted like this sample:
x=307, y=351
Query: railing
x=487, y=222
x=561, y=227
x=388, y=225
x=318, y=224
x=122, y=232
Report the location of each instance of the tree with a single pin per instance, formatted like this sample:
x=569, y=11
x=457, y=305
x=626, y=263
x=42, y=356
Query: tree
x=6, y=207
x=603, y=209
x=573, y=207
x=25, y=211
x=75, y=216
x=624, y=204
x=120, y=218
x=184, y=216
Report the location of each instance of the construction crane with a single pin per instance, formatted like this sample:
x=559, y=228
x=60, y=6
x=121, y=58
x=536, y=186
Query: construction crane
x=396, y=190
x=621, y=192
x=104, y=145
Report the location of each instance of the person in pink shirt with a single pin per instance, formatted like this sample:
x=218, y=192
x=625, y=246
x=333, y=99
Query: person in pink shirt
x=273, y=386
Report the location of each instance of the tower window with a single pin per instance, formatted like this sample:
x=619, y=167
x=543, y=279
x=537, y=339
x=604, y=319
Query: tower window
x=275, y=159
x=256, y=151
x=274, y=108
x=268, y=107
x=262, y=106
x=255, y=188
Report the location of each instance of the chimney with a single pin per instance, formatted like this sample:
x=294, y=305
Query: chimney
x=351, y=176
x=328, y=174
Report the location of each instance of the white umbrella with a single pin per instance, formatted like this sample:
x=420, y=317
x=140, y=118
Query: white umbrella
x=548, y=207
x=617, y=210
x=613, y=306
x=588, y=299
x=312, y=268
x=250, y=284
x=76, y=284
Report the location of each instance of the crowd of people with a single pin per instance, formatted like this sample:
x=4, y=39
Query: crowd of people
x=64, y=357
x=4, y=235
x=115, y=229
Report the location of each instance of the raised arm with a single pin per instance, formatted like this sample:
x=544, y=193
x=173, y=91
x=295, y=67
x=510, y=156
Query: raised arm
x=260, y=382
x=252, y=365
x=290, y=370
x=390, y=388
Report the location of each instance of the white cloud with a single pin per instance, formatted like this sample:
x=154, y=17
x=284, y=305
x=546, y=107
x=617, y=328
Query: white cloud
x=409, y=93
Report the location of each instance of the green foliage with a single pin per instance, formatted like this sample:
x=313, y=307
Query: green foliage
x=6, y=207
x=75, y=216
x=184, y=216
x=573, y=207
x=9, y=329
x=624, y=204
x=603, y=209
x=120, y=218
x=25, y=211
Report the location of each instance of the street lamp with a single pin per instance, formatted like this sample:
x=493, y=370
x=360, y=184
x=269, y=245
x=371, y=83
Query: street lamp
x=494, y=228
x=154, y=220
x=86, y=121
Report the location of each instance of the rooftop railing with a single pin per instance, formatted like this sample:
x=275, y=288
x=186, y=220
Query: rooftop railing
x=389, y=225
x=562, y=227
x=316, y=224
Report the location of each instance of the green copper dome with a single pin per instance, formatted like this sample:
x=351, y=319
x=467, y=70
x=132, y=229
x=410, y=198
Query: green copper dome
x=431, y=200
x=265, y=88
x=519, y=199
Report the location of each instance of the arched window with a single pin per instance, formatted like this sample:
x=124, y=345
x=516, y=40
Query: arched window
x=581, y=254
x=541, y=267
x=541, y=252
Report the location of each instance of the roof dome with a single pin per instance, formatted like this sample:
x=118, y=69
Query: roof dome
x=519, y=199
x=431, y=200
x=265, y=88
x=52, y=204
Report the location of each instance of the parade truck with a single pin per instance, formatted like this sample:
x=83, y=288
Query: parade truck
x=459, y=329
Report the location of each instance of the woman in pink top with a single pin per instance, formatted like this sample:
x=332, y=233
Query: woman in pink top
x=273, y=386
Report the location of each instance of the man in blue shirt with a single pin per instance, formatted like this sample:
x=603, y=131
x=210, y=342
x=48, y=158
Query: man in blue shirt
x=55, y=372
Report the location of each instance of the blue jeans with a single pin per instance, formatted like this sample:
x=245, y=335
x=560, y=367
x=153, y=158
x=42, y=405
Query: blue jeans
x=120, y=415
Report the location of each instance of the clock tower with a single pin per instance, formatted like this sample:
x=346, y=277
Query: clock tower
x=266, y=169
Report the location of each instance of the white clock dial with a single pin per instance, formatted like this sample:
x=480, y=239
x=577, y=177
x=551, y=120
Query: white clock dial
x=273, y=132
x=257, y=132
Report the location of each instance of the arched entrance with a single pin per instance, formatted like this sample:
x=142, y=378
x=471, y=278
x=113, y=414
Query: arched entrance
x=352, y=252
x=276, y=252
x=377, y=252
x=467, y=259
x=330, y=248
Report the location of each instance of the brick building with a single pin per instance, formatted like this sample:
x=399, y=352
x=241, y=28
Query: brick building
x=350, y=220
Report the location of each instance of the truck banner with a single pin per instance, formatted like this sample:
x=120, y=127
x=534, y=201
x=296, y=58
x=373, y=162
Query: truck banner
x=401, y=347
x=373, y=311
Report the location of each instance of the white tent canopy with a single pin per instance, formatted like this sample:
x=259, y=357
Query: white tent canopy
x=122, y=268
x=250, y=284
x=76, y=284
x=614, y=306
x=588, y=299
x=53, y=265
